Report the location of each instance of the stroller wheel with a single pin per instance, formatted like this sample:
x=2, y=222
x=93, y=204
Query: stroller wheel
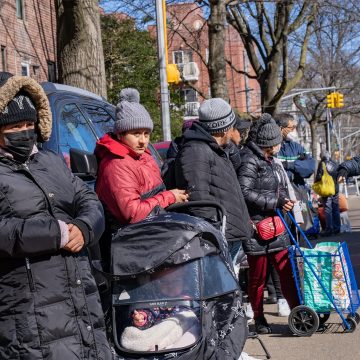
x=352, y=323
x=303, y=321
x=323, y=318
x=356, y=317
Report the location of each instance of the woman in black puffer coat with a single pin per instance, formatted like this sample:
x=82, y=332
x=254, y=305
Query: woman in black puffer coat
x=264, y=191
x=49, y=303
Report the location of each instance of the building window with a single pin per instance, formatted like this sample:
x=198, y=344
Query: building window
x=3, y=58
x=189, y=95
x=25, y=69
x=51, y=71
x=20, y=9
x=181, y=57
x=36, y=69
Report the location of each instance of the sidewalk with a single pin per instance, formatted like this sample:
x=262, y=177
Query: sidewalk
x=330, y=345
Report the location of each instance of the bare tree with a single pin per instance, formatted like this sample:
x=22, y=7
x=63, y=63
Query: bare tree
x=265, y=29
x=334, y=54
x=80, y=51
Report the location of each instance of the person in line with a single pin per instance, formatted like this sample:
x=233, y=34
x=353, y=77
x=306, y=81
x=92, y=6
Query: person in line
x=330, y=203
x=203, y=166
x=297, y=162
x=349, y=168
x=129, y=183
x=49, y=303
x=264, y=191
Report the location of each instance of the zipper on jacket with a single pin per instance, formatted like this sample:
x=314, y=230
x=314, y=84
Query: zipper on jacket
x=30, y=276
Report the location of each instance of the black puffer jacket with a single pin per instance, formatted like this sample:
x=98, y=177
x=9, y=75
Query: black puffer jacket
x=49, y=303
x=262, y=187
x=204, y=168
x=352, y=166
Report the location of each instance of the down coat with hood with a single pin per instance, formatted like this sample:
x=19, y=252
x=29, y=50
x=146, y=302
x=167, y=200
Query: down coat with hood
x=128, y=184
x=49, y=303
x=204, y=169
x=352, y=166
x=262, y=186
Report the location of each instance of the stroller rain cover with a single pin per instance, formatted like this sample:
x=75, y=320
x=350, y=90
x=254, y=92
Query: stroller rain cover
x=197, y=254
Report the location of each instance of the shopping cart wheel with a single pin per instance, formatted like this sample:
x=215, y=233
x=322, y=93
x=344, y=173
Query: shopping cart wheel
x=303, y=321
x=323, y=318
x=356, y=317
x=352, y=322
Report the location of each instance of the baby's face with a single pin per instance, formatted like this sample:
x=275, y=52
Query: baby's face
x=171, y=286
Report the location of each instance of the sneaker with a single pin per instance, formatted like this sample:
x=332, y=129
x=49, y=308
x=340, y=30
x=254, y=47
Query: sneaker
x=249, y=313
x=246, y=356
x=261, y=325
x=283, y=308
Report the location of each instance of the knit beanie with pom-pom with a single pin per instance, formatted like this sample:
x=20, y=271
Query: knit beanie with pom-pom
x=268, y=132
x=130, y=114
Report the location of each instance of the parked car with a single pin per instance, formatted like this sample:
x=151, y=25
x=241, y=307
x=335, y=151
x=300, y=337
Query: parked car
x=80, y=118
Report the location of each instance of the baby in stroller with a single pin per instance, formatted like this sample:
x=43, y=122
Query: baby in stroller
x=161, y=326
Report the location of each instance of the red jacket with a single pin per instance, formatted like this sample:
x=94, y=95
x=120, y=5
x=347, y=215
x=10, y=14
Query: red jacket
x=124, y=176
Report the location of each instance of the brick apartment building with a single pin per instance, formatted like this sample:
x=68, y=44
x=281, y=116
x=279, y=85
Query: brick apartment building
x=188, y=47
x=28, y=38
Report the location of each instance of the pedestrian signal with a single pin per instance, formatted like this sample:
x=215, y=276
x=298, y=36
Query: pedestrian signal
x=330, y=100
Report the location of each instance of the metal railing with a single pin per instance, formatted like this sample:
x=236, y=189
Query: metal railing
x=192, y=108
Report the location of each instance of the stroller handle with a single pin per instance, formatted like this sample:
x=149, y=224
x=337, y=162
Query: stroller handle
x=205, y=203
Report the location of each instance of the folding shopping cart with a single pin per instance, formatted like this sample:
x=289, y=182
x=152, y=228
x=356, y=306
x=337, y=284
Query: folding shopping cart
x=320, y=290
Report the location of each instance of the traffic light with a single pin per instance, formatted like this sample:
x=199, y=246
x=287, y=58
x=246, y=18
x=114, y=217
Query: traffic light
x=173, y=74
x=330, y=100
x=339, y=100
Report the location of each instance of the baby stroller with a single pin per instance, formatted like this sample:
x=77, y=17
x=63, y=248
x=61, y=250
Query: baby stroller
x=174, y=271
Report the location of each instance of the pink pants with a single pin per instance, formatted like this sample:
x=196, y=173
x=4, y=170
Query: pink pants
x=257, y=277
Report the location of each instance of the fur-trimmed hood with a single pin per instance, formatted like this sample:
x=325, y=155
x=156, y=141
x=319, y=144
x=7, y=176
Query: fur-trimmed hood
x=16, y=83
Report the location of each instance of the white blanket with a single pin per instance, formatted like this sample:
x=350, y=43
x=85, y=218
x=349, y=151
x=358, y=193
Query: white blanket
x=163, y=335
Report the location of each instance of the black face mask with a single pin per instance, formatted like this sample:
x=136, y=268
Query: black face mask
x=20, y=144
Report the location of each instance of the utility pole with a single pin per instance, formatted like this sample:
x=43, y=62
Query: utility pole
x=164, y=90
x=246, y=82
x=328, y=131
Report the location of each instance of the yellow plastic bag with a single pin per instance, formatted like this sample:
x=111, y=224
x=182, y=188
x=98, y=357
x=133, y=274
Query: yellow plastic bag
x=326, y=186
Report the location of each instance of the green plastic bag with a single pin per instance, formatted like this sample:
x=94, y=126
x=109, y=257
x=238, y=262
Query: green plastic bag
x=326, y=186
x=313, y=294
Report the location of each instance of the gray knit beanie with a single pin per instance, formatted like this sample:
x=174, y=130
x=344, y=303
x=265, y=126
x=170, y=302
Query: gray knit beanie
x=216, y=115
x=268, y=133
x=130, y=114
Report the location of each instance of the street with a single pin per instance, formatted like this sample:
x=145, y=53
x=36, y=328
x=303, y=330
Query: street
x=330, y=344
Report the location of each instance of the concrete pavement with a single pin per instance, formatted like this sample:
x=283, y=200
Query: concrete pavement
x=331, y=344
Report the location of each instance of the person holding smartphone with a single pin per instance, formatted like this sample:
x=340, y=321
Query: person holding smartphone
x=264, y=188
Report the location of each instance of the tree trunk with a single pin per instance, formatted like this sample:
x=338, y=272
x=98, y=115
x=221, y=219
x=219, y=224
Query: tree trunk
x=80, y=51
x=217, y=62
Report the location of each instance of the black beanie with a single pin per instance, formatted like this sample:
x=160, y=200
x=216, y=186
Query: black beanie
x=18, y=109
x=268, y=133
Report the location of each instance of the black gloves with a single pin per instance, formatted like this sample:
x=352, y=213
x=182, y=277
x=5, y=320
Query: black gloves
x=281, y=202
x=342, y=173
x=288, y=165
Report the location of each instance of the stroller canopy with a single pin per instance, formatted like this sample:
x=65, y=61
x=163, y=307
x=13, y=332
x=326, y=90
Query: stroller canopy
x=158, y=238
